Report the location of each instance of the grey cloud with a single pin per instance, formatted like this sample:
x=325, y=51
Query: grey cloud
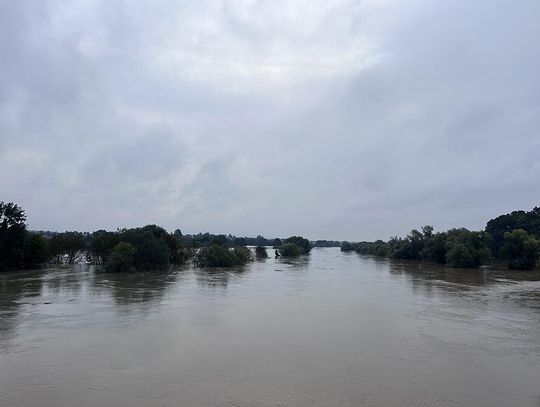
x=346, y=120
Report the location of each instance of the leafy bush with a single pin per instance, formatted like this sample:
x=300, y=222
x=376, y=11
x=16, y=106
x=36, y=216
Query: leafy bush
x=152, y=253
x=101, y=244
x=183, y=254
x=466, y=249
x=35, y=250
x=529, y=221
x=69, y=243
x=220, y=256
x=520, y=249
x=348, y=246
x=121, y=258
x=435, y=248
x=260, y=252
x=241, y=255
x=154, y=247
x=302, y=244
x=289, y=250
x=460, y=256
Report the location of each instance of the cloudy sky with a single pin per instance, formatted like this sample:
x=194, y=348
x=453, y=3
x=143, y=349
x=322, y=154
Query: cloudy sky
x=335, y=119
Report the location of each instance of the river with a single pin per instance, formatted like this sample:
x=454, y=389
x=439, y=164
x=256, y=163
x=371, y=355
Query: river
x=331, y=329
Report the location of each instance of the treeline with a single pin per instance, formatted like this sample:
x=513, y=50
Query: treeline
x=513, y=237
x=207, y=239
x=326, y=243
x=145, y=248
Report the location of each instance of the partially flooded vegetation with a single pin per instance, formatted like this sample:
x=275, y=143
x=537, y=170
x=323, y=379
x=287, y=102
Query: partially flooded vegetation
x=127, y=250
x=153, y=313
x=512, y=238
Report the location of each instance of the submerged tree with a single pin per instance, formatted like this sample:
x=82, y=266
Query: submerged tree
x=260, y=252
x=529, y=221
x=67, y=243
x=121, y=258
x=221, y=256
x=294, y=246
x=101, y=245
x=466, y=249
x=520, y=249
x=289, y=250
x=35, y=250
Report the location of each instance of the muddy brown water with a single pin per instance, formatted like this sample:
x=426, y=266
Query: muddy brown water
x=332, y=329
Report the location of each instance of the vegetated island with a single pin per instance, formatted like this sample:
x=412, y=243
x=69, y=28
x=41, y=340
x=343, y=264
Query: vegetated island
x=145, y=248
x=513, y=238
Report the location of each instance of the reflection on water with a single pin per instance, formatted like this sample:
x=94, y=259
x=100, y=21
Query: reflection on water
x=296, y=263
x=427, y=277
x=219, y=277
x=15, y=292
x=328, y=329
x=129, y=288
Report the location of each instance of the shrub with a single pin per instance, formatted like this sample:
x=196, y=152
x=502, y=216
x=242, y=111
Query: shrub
x=459, y=256
x=151, y=253
x=220, y=256
x=289, y=250
x=183, y=254
x=304, y=246
x=466, y=249
x=260, y=252
x=241, y=255
x=121, y=258
x=520, y=249
x=435, y=248
x=348, y=246
x=35, y=250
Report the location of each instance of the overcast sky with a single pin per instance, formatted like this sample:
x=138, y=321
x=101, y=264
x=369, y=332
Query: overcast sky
x=330, y=119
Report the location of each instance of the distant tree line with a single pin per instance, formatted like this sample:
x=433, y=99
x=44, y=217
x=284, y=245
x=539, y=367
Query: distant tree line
x=208, y=239
x=146, y=248
x=513, y=237
x=326, y=243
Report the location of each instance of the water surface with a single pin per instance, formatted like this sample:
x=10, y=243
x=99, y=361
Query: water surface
x=331, y=329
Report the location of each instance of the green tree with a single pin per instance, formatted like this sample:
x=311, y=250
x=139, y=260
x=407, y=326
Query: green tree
x=412, y=247
x=152, y=246
x=460, y=256
x=35, y=250
x=289, y=250
x=260, y=252
x=466, y=249
x=348, y=246
x=529, y=221
x=220, y=240
x=101, y=244
x=12, y=235
x=67, y=243
x=239, y=241
x=121, y=259
x=241, y=255
x=435, y=248
x=303, y=244
x=152, y=253
x=221, y=256
x=520, y=249
x=183, y=254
